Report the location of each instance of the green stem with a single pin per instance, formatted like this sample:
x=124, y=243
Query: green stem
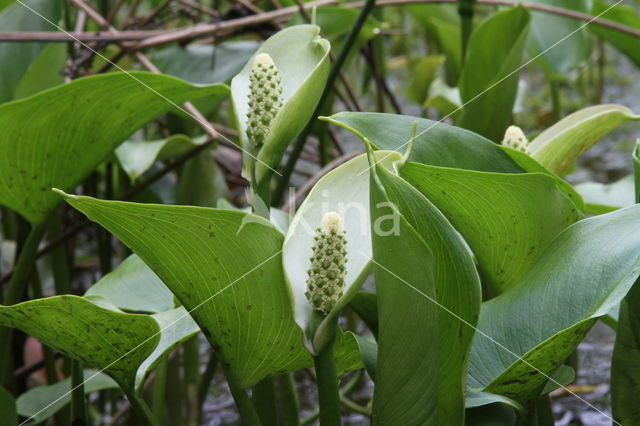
x=335, y=71
x=191, y=373
x=158, y=405
x=15, y=289
x=264, y=399
x=205, y=382
x=555, y=99
x=247, y=411
x=78, y=399
x=544, y=414
x=466, y=11
x=144, y=416
x=328, y=391
x=287, y=400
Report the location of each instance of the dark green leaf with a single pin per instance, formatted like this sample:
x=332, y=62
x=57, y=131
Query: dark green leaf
x=428, y=304
x=581, y=276
x=436, y=143
x=489, y=80
x=622, y=14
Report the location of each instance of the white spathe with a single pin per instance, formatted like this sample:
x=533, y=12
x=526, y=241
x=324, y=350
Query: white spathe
x=345, y=191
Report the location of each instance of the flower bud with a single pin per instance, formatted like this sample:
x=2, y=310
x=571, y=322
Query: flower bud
x=515, y=138
x=328, y=264
x=265, y=98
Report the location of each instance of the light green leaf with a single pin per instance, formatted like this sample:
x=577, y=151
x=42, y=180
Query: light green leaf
x=422, y=77
x=42, y=402
x=351, y=201
x=16, y=58
x=133, y=286
x=239, y=302
x=44, y=72
x=622, y=14
x=81, y=330
x=508, y=220
x=558, y=147
x=607, y=197
x=136, y=157
x=302, y=58
x=436, y=143
x=8, y=408
x=581, y=276
x=548, y=29
x=478, y=399
x=428, y=303
x=489, y=79
x=56, y=138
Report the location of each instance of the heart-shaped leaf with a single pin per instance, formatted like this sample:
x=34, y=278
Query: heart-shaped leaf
x=558, y=147
x=57, y=137
x=507, y=219
x=344, y=190
x=302, y=58
x=428, y=303
x=581, y=276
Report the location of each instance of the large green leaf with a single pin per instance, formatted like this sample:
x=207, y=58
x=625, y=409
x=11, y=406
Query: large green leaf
x=225, y=268
x=507, y=219
x=558, y=147
x=428, y=304
x=547, y=30
x=527, y=332
x=16, y=58
x=436, y=143
x=42, y=402
x=84, y=331
x=625, y=15
x=56, y=138
x=302, y=58
x=489, y=80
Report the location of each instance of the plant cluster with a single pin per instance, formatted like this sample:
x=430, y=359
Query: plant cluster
x=446, y=261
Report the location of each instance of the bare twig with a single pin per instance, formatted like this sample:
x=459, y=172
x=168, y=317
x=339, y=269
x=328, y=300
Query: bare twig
x=156, y=37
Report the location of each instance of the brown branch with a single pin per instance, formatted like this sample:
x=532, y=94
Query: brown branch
x=156, y=37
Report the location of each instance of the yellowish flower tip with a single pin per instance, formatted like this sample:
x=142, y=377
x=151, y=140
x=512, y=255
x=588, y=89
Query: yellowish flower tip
x=265, y=98
x=328, y=264
x=515, y=138
x=331, y=222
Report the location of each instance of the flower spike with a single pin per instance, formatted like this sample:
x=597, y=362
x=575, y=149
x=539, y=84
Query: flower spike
x=328, y=264
x=265, y=98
